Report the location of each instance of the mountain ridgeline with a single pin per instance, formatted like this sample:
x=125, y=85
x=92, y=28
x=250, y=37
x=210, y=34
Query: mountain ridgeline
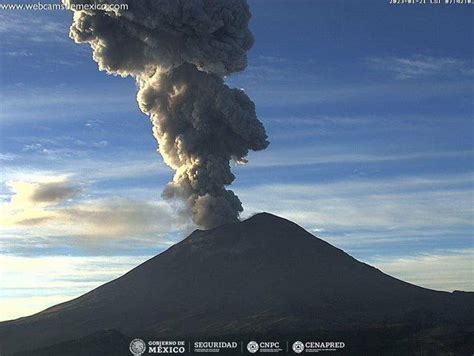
x=265, y=276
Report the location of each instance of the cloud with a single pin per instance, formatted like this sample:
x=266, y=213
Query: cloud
x=365, y=124
x=127, y=166
x=15, y=26
x=52, y=209
x=24, y=306
x=32, y=203
x=46, y=191
x=62, y=147
x=31, y=284
x=446, y=270
x=307, y=156
x=120, y=218
x=34, y=221
x=53, y=104
x=420, y=66
x=7, y=157
x=53, y=192
x=390, y=204
x=320, y=120
x=19, y=53
x=267, y=95
x=200, y=123
x=381, y=221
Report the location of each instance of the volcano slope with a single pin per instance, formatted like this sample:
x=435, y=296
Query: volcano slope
x=265, y=276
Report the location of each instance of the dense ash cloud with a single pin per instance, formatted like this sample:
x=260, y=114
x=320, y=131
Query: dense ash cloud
x=179, y=51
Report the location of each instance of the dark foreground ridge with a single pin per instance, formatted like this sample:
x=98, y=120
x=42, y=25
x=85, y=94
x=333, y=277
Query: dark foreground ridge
x=265, y=276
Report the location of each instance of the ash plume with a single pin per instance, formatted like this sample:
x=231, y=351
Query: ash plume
x=179, y=52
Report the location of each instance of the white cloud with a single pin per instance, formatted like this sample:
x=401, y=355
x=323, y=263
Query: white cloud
x=448, y=271
x=31, y=201
x=305, y=156
x=19, y=53
x=50, y=209
x=63, y=148
x=23, y=306
x=54, y=104
x=354, y=125
x=31, y=284
x=19, y=26
x=85, y=169
x=266, y=94
x=420, y=66
x=6, y=157
x=391, y=207
x=127, y=167
x=388, y=203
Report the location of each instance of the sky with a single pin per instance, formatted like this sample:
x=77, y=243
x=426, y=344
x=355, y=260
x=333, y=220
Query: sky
x=369, y=111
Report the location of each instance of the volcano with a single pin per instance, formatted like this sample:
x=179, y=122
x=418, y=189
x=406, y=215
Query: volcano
x=265, y=276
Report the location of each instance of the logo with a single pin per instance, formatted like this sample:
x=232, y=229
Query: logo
x=317, y=346
x=166, y=347
x=137, y=347
x=298, y=347
x=269, y=346
x=252, y=346
x=216, y=346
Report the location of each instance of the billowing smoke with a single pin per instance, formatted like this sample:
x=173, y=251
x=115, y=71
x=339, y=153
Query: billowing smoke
x=179, y=51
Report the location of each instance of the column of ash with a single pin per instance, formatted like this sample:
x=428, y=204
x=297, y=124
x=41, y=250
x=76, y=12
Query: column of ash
x=179, y=52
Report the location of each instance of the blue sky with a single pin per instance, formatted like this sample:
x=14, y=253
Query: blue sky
x=368, y=107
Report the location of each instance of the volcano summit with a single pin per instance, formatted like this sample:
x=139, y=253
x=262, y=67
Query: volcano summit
x=265, y=276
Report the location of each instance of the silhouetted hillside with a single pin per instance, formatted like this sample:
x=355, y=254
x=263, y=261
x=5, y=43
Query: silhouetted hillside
x=263, y=276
